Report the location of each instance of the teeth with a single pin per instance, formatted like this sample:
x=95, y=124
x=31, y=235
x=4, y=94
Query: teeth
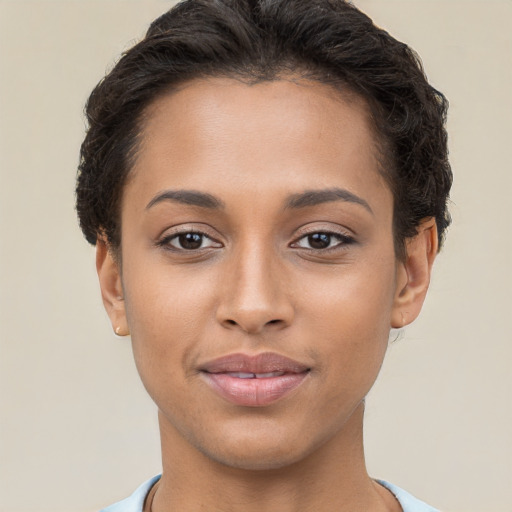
x=245, y=375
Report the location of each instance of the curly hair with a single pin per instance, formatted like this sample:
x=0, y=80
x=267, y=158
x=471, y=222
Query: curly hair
x=329, y=41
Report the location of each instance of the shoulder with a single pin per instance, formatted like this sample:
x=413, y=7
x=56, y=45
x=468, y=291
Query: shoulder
x=408, y=502
x=135, y=502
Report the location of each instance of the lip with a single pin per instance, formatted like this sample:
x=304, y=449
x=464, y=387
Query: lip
x=273, y=377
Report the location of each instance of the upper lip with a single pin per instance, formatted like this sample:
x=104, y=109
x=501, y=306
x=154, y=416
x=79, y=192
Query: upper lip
x=266, y=362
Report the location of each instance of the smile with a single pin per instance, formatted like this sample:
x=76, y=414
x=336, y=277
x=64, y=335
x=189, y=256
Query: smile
x=254, y=381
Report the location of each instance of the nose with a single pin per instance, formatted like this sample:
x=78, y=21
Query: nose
x=255, y=295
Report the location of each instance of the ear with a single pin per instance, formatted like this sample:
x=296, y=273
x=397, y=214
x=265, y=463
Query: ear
x=109, y=274
x=413, y=274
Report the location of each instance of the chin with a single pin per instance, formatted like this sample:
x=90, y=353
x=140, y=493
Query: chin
x=258, y=449
x=260, y=459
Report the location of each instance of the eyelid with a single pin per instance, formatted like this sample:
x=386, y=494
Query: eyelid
x=175, y=231
x=344, y=235
x=311, y=228
x=188, y=227
x=342, y=240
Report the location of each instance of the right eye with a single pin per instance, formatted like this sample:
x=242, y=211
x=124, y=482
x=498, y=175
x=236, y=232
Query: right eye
x=188, y=241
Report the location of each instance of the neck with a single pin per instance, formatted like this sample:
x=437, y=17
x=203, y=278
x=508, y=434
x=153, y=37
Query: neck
x=333, y=478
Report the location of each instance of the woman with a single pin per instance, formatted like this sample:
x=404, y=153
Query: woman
x=266, y=185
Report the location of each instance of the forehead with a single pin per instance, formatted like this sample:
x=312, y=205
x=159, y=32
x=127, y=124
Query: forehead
x=288, y=133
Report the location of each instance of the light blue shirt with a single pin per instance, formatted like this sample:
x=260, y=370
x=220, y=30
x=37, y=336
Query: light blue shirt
x=136, y=501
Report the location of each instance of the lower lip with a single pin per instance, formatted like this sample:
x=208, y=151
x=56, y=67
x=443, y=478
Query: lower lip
x=253, y=392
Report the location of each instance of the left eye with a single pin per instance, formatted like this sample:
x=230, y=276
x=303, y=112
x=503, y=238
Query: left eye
x=322, y=240
x=189, y=241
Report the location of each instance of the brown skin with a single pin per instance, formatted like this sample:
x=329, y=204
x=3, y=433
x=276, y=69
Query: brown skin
x=256, y=285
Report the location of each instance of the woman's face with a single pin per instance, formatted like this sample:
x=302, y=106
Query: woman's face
x=259, y=280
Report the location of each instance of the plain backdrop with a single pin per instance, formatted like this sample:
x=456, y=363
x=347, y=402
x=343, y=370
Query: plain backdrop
x=77, y=430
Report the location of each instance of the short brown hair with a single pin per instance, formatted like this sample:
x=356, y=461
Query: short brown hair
x=259, y=40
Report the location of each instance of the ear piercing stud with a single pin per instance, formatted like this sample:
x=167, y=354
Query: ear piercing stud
x=118, y=331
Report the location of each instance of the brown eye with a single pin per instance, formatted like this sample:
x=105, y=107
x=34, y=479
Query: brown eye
x=190, y=241
x=319, y=240
x=323, y=240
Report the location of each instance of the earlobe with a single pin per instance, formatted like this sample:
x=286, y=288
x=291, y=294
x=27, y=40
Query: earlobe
x=413, y=274
x=109, y=275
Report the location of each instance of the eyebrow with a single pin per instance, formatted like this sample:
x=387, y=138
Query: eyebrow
x=315, y=197
x=190, y=197
x=296, y=201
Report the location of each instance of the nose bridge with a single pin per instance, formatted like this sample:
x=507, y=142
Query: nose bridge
x=255, y=295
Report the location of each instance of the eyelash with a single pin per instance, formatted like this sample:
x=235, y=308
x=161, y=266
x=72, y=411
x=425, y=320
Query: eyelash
x=343, y=241
x=166, y=241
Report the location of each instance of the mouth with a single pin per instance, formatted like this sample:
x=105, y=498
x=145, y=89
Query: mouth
x=254, y=381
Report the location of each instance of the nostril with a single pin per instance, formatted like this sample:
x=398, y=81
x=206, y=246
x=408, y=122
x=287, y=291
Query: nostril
x=249, y=327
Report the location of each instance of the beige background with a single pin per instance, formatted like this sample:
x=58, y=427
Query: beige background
x=77, y=431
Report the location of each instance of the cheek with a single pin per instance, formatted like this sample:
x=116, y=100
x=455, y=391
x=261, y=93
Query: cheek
x=349, y=317
x=161, y=297
x=168, y=311
x=358, y=295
